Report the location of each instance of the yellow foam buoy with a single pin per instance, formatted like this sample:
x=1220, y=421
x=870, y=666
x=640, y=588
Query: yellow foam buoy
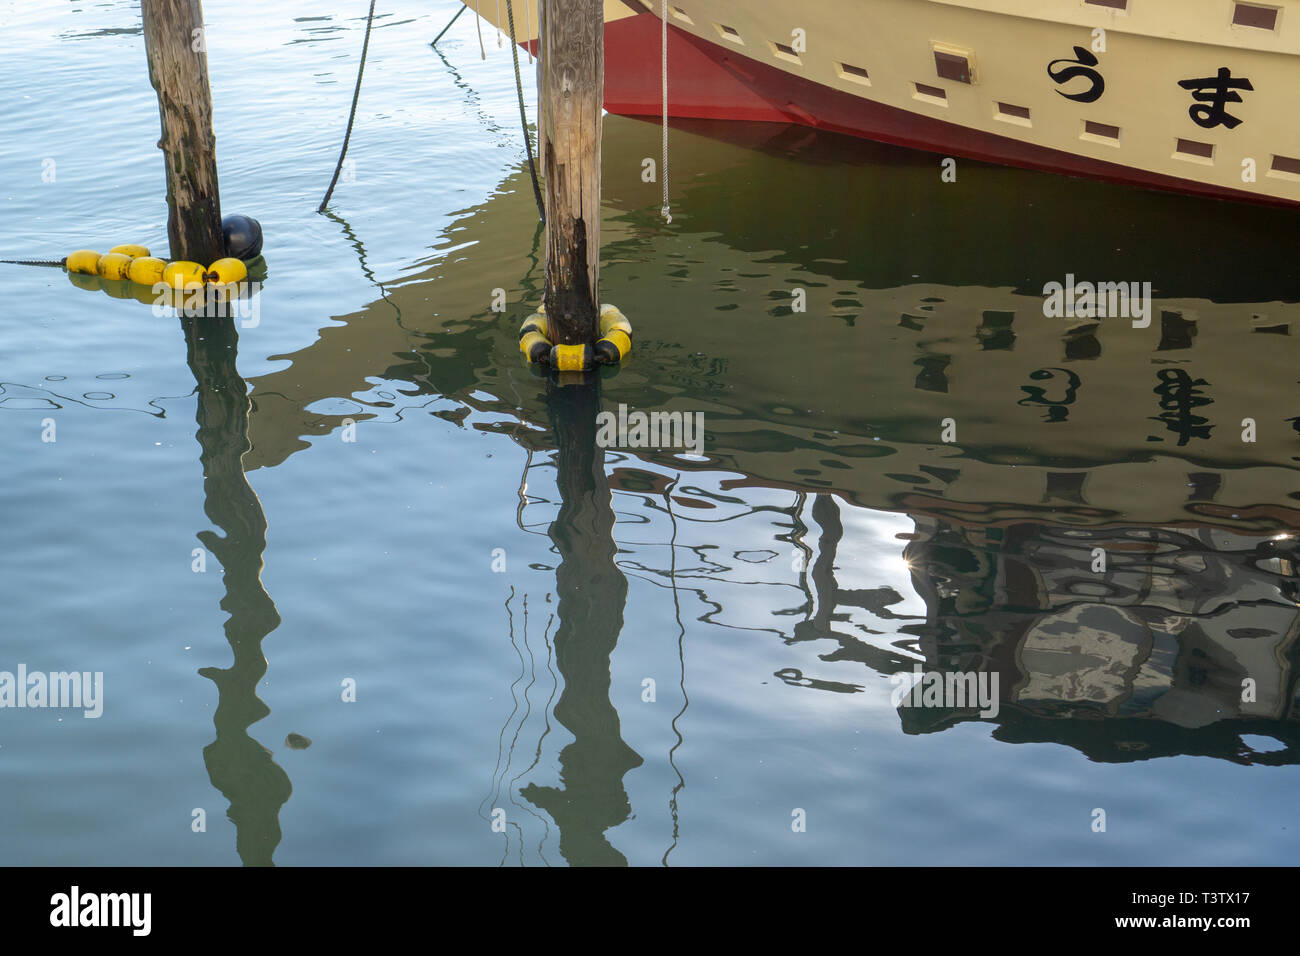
x=146, y=270
x=83, y=261
x=535, y=346
x=135, y=252
x=611, y=318
x=184, y=275
x=113, y=265
x=225, y=271
x=535, y=337
x=571, y=358
x=132, y=264
x=615, y=336
x=612, y=347
x=537, y=322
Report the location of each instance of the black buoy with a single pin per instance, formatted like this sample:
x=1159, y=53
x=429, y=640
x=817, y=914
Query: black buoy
x=243, y=236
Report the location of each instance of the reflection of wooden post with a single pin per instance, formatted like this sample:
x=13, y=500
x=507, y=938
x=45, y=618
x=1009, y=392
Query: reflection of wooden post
x=592, y=592
x=178, y=69
x=238, y=765
x=571, y=69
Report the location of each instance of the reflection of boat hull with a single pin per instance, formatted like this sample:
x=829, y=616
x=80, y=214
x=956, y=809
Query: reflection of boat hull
x=1174, y=631
x=878, y=71
x=1064, y=421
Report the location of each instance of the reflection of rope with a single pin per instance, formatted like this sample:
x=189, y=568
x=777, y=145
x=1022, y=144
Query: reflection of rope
x=523, y=117
x=523, y=490
x=537, y=756
x=496, y=788
x=361, y=258
x=498, y=783
x=510, y=758
x=681, y=658
x=352, y=115
x=796, y=538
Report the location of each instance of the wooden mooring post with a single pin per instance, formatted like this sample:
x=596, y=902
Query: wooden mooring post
x=571, y=92
x=176, y=48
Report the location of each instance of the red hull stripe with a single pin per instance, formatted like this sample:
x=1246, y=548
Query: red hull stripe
x=708, y=82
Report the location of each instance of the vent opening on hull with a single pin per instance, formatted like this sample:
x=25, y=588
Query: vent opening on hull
x=729, y=33
x=930, y=94
x=1285, y=167
x=784, y=51
x=1254, y=15
x=1010, y=113
x=952, y=66
x=1195, y=151
x=1102, y=133
x=855, y=73
x=1110, y=4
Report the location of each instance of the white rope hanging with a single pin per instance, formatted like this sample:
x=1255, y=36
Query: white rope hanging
x=478, y=25
x=664, y=168
x=498, y=24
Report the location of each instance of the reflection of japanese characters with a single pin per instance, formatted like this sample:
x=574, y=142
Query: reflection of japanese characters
x=1057, y=409
x=1179, y=395
x=1211, y=93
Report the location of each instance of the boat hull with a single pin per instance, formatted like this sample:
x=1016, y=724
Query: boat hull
x=707, y=81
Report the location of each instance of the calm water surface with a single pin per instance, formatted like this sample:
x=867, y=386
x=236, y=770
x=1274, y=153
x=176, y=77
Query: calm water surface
x=826, y=539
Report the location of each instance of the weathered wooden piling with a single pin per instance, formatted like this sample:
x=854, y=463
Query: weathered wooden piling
x=571, y=92
x=176, y=48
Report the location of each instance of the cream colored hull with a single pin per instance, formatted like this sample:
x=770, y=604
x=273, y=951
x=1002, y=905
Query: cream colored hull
x=883, y=53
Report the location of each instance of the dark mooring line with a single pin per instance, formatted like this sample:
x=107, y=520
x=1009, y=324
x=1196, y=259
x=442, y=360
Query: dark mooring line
x=35, y=262
x=523, y=116
x=352, y=115
x=448, y=26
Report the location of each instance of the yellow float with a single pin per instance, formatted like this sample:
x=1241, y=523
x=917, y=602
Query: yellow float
x=146, y=270
x=226, y=271
x=113, y=265
x=612, y=347
x=184, y=275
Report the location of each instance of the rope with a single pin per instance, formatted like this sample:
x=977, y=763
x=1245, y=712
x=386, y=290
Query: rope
x=58, y=263
x=352, y=115
x=478, y=25
x=523, y=116
x=448, y=26
x=498, y=24
x=664, y=168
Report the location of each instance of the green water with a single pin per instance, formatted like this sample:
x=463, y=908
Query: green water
x=371, y=478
